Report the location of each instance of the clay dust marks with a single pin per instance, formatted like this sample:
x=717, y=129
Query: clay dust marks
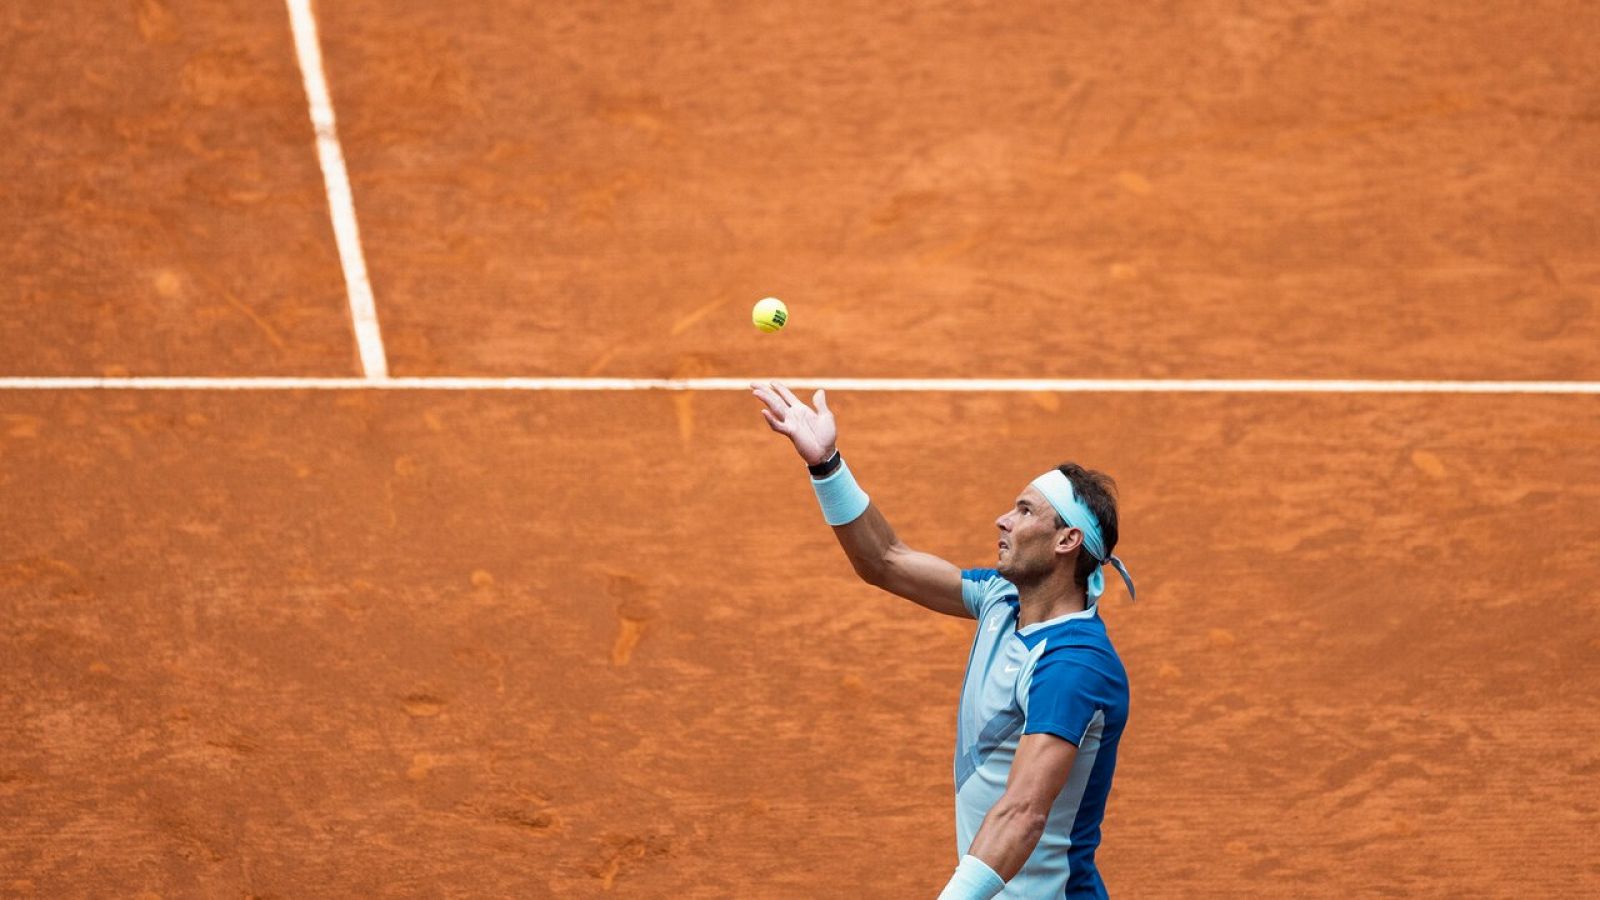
x=623, y=852
x=537, y=821
x=1134, y=183
x=688, y=320
x=601, y=361
x=34, y=568
x=422, y=705
x=486, y=662
x=1429, y=463
x=154, y=19
x=633, y=617
x=422, y=764
x=683, y=412
x=19, y=426
x=629, y=631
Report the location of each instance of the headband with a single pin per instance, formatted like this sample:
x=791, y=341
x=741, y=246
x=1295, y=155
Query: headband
x=1057, y=488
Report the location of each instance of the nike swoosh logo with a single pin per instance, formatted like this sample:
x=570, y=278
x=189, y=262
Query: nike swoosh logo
x=1010, y=669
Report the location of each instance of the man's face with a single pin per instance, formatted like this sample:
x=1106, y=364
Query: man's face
x=1030, y=542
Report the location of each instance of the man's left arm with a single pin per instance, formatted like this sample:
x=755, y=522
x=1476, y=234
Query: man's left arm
x=1015, y=823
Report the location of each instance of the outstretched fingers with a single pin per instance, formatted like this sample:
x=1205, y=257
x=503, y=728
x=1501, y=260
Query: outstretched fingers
x=786, y=394
x=770, y=398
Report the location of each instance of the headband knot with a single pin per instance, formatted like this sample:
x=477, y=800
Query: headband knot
x=1057, y=488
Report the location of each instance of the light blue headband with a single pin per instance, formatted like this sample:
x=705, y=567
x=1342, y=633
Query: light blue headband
x=1057, y=488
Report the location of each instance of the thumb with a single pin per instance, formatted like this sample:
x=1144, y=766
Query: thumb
x=820, y=398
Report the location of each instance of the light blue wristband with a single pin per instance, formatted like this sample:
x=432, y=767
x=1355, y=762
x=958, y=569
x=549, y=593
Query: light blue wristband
x=973, y=880
x=843, y=501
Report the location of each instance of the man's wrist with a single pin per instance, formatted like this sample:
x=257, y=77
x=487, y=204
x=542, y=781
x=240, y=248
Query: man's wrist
x=843, y=501
x=827, y=466
x=973, y=880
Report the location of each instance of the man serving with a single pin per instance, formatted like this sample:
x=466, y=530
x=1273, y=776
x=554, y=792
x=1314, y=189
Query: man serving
x=1045, y=699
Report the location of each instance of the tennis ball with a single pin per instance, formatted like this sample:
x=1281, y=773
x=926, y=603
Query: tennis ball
x=770, y=314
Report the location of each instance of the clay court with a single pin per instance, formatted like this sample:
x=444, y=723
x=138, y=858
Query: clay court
x=346, y=635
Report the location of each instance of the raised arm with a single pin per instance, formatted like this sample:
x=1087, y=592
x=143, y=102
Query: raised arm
x=874, y=551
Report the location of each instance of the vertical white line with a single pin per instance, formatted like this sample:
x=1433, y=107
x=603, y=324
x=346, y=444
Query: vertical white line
x=341, y=205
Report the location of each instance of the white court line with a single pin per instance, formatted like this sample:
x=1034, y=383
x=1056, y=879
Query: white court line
x=989, y=385
x=341, y=205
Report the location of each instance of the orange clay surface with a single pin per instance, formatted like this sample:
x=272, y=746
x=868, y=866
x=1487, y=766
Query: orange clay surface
x=162, y=212
x=473, y=645
x=453, y=644
x=1190, y=189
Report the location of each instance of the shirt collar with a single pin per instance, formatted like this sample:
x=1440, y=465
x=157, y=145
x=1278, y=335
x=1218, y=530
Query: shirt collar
x=1088, y=613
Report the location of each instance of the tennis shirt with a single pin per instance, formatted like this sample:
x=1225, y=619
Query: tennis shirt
x=1059, y=677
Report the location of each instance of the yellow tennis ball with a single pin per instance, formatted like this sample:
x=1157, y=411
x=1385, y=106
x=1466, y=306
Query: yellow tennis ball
x=770, y=314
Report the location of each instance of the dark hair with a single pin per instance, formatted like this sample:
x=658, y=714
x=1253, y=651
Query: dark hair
x=1099, y=492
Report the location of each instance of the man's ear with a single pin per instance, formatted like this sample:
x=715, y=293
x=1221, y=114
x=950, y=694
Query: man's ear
x=1068, y=540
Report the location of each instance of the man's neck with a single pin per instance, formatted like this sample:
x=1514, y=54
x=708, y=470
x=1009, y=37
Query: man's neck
x=1055, y=596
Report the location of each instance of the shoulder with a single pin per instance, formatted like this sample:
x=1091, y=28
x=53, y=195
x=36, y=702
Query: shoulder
x=982, y=588
x=1077, y=652
x=1073, y=683
x=985, y=578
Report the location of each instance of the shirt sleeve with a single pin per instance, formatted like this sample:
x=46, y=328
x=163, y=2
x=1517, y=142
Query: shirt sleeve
x=976, y=587
x=1062, y=697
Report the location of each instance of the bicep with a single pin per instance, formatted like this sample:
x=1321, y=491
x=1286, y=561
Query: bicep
x=1039, y=770
x=925, y=580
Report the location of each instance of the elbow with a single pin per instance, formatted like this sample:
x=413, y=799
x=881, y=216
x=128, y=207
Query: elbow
x=872, y=573
x=877, y=569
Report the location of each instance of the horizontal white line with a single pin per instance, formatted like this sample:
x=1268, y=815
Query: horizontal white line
x=992, y=385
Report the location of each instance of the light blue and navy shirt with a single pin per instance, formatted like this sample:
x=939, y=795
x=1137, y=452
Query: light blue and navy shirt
x=1059, y=677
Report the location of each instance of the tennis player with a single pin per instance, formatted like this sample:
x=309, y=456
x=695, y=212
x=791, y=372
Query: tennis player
x=1046, y=697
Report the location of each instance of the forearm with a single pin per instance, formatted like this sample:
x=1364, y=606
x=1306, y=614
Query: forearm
x=877, y=555
x=862, y=531
x=1003, y=844
x=1007, y=837
x=866, y=542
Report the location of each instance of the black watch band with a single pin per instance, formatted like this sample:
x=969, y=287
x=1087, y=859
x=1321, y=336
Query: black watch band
x=826, y=467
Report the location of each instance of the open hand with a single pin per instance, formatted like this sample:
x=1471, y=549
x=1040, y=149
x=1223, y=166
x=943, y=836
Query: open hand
x=812, y=430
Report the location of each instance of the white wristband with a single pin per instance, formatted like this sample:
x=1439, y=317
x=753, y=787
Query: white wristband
x=973, y=880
